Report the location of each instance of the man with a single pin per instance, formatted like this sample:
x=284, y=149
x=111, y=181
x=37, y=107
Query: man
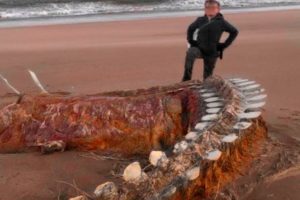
x=207, y=46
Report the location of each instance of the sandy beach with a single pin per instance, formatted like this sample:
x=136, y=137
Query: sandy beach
x=95, y=57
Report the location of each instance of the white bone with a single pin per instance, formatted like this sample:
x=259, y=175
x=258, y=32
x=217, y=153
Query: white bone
x=229, y=138
x=209, y=94
x=245, y=83
x=214, y=105
x=193, y=173
x=201, y=126
x=254, y=92
x=36, y=81
x=192, y=135
x=214, y=155
x=257, y=98
x=250, y=87
x=212, y=99
x=238, y=80
x=249, y=115
x=213, y=110
x=210, y=117
x=255, y=105
x=9, y=85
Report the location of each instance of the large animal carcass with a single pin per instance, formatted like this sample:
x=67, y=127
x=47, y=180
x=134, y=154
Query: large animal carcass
x=198, y=135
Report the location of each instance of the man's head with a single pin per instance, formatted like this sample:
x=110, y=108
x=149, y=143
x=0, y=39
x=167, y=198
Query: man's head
x=211, y=7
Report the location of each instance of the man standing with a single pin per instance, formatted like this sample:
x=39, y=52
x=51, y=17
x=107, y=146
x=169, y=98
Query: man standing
x=207, y=46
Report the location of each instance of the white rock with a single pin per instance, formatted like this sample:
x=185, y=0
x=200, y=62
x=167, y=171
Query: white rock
x=214, y=155
x=213, y=110
x=249, y=115
x=210, y=117
x=158, y=158
x=193, y=135
x=257, y=97
x=212, y=99
x=229, y=138
x=193, y=173
x=215, y=105
x=201, y=126
x=106, y=191
x=133, y=172
x=242, y=125
x=81, y=197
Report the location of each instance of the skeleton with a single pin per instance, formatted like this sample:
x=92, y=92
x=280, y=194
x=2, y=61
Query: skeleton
x=190, y=125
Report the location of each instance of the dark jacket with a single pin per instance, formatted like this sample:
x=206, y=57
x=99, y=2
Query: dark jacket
x=209, y=34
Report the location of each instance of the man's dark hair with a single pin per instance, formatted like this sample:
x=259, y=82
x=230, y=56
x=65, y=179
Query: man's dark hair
x=212, y=2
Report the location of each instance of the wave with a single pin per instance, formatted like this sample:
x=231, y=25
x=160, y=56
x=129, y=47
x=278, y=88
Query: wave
x=19, y=9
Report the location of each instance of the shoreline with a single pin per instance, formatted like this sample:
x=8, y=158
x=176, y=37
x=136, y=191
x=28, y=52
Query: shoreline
x=94, y=18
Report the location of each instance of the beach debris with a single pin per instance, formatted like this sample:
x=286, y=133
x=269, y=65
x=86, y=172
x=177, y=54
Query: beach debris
x=9, y=85
x=106, y=191
x=37, y=82
x=158, y=158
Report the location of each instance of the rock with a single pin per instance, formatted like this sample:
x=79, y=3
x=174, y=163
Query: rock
x=133, y=173
x=81, y=197
x=106, y=191
x=193, y=173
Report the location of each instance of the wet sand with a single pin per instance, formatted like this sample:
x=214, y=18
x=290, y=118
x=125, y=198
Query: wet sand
x=95, y=57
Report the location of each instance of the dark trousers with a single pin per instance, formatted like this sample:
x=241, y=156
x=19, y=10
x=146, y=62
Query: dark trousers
x=191, y=55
